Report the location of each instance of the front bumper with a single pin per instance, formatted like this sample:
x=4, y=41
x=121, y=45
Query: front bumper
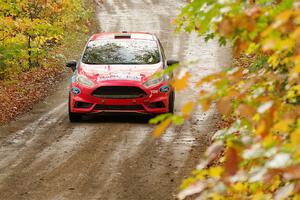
x=154, y=102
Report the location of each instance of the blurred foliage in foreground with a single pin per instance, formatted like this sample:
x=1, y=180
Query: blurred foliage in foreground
x=262, y=93
x=30, y=29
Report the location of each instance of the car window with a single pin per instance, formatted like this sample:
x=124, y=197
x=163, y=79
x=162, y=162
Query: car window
x=121, y=51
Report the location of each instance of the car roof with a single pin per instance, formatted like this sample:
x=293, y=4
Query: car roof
x=123, y=34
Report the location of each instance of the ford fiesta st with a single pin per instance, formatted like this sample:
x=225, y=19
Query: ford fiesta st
x=117, y=72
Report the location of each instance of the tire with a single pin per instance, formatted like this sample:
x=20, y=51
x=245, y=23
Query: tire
x=73, y=117
x=171, y=102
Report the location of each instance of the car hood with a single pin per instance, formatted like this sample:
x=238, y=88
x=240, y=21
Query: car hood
x=98, y=73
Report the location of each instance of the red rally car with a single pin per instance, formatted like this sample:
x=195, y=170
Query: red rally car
x=117, y=72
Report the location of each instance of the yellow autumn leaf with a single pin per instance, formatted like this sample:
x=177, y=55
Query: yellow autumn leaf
x=182, y=83
x=261, y=128
x=283, y=126
x=161, y=127
x=256, y=117
x=217, y=196
x=295, y=137
x=260, y=196
x=267, y=31
x=269, y=141
x=201, y=175
x=206, y=79
x=297, y=69
x=233, y=93
x=239, y=187
x=296, y=33
x=216, y=172
x=210, y=78
x=275, y=183
x=205, y=103
x=187, y=108
x=284, y=16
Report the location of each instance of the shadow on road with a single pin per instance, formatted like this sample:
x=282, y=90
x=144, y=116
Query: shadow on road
x=117, y=118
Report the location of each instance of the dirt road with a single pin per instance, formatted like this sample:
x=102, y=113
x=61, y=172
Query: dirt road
x=43, y=156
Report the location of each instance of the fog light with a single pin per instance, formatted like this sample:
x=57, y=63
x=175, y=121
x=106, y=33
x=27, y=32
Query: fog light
x=79, y=104
x=158, y=104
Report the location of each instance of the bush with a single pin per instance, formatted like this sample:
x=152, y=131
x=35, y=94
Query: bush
x=30, y=29
x=260, y=92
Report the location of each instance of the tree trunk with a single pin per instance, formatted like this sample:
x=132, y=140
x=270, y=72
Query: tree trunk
x=29, y=51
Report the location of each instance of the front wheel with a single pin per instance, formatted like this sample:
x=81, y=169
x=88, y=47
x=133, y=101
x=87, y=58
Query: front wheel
x=171, y=102
x=73, y=117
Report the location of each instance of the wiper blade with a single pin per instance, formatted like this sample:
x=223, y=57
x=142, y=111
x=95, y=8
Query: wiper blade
x=93, y=63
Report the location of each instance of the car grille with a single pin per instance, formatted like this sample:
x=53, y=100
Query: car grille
x=119, y=92
x=119, y=107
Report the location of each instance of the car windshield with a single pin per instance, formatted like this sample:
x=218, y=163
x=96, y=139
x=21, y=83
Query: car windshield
x=121, y=51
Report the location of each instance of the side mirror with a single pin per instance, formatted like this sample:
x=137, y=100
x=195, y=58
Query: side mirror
x=72, y=64
x=172, y=62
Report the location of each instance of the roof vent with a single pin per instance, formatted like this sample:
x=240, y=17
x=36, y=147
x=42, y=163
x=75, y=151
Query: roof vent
x=122, y=36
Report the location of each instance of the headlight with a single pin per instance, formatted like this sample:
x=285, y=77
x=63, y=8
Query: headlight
x=84, y=81
x=155, y=80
